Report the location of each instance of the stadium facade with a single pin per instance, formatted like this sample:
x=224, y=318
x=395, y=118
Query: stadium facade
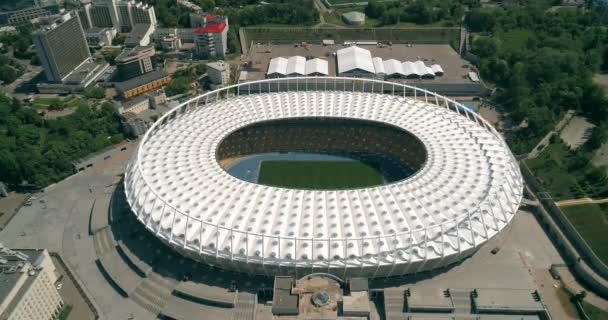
x=466, y=185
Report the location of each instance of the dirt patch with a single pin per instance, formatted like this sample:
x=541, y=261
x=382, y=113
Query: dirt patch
x=9, y=207
x=576, y=132
x=600, y=156
x=601, y=79
x=490, y=114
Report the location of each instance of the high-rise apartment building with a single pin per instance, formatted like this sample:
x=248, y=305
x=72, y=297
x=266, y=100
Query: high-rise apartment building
x=18, y=14
x=120, y=14
x=62, y=46
x=27, y=285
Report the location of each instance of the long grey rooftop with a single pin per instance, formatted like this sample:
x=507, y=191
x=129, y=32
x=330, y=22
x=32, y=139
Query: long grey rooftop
x=141, y=80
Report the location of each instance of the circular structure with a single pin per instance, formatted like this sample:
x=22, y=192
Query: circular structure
x=465, y=188
x=320, y=298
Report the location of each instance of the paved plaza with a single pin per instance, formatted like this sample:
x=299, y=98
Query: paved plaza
x=63, y=227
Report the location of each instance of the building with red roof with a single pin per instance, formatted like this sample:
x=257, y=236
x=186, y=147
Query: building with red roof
x=210, y=35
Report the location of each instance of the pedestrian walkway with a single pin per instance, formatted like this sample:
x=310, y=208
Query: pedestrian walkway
x=578, y=202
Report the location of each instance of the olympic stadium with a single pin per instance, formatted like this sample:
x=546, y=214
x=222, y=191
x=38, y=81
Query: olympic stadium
x=351, y=177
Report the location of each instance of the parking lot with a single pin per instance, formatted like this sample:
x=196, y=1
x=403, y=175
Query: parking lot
x=455, y=68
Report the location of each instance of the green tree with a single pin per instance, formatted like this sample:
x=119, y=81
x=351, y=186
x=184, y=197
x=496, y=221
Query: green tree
x=485, y=47
x=8, y=74
x=375, y=9
x=95, y=93
x=42, y=151
x=178, y=85
x=597, y=137
x=479, y=20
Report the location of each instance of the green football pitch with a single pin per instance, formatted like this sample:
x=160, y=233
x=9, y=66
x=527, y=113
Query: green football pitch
x=319, y=175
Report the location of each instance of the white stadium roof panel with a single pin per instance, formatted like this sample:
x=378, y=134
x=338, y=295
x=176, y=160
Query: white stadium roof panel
x=296, y=65
x=353, y=58
x=277, y=65
x=467, y=191
x=317, y=66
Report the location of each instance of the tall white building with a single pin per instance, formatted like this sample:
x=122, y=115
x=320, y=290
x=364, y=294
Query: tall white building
x=120, y=14
x=132, y=13
x=27, y=285
x=62, y=46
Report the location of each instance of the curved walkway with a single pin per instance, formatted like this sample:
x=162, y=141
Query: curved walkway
x=159, y=280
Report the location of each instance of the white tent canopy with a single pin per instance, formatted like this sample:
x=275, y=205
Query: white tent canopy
x=409, y=69
x=277, y=66
x=317, y=66
x=353, y=58
x=393, y=67
x=378, y=66
x=423, y=70
x=296, y=65
x=437, y=69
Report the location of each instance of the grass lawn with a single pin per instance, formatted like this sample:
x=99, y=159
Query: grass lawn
x=549, y=168
x=44, y=103
x=563, y=176
x=556, y=168
x=322, y=175
x=591, y=221
x=594, y=313
x=397, y=34
x=65, y=312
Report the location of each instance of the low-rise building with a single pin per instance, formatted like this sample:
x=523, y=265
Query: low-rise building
x=354, y=18
x=189, y=5
x=8, y=30
x=219, y=72
x=100, y=37
x=135, y=106
x=140, y=35
x=139, y=85
x=157, y=98
x=135, y=62
x=171, y=42
x=27, y=285
x=133, y=125
x=185, y=35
